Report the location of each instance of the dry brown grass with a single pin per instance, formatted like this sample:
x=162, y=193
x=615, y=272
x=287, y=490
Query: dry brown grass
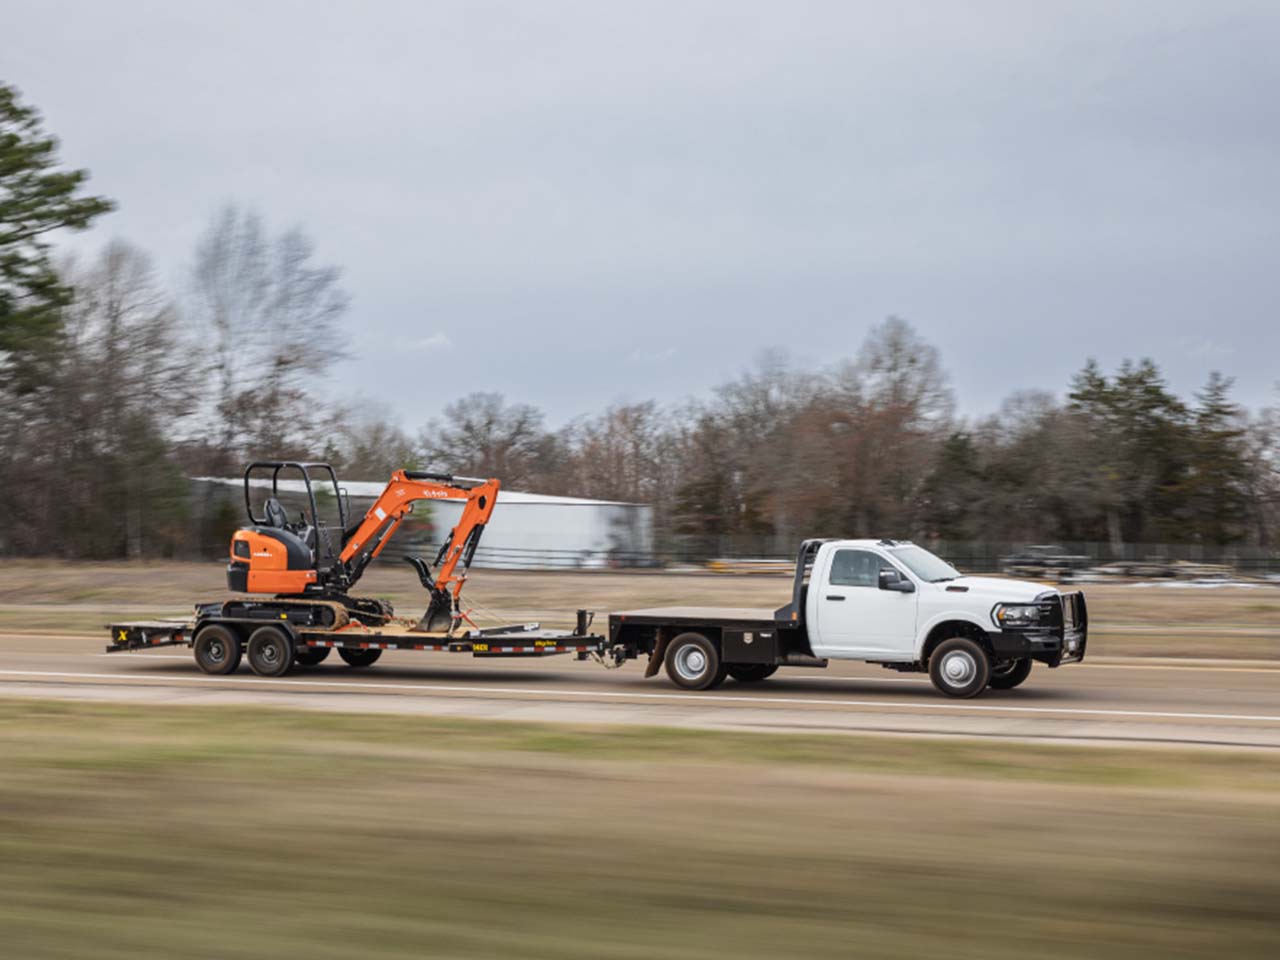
x=180, y=832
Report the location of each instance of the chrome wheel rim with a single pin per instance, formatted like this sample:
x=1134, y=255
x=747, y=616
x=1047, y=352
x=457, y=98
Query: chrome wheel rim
x=269, y=653
x=959, y=668
x=691, y=662
x=216, y=652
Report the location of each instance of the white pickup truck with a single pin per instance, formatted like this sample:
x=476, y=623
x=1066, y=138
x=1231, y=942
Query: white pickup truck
x=880, y=601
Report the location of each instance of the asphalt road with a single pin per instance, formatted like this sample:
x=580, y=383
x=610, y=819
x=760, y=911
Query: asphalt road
x=1223, y=703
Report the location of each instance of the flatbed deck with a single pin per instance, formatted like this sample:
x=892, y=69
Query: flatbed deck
x=517, y=640
x=755, y=615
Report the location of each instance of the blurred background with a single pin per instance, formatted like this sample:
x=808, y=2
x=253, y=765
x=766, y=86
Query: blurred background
x=694, y=281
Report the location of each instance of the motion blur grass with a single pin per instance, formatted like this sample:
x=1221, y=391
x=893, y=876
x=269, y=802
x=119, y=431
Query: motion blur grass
x=211, y=832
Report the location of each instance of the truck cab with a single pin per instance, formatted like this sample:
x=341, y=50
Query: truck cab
x=892, y=601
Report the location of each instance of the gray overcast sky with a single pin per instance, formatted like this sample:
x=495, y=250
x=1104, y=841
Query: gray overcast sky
x=582, y=202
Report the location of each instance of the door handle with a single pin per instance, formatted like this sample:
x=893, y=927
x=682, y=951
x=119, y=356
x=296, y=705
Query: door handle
x=835, y=596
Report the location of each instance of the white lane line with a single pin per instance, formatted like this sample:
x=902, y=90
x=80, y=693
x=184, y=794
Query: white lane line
x=707, y=700
x=173, y=656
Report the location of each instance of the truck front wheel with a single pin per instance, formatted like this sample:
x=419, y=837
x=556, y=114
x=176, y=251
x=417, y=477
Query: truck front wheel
x=960, y=668
x=693, y=663
x=1009, y=673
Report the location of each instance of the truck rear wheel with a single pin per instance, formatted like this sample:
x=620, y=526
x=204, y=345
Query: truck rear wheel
x=310, y=656
x=355, y=657
x=752, y=672
x=960, y=668
x=217, y=649
x=1009, y=673
x=270, y=652
x=693, y=663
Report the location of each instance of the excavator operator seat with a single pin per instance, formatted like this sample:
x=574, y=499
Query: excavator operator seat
x=274, y=513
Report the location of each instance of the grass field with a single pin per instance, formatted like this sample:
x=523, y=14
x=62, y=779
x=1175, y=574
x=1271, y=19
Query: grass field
x=1126, y=620
x=227, y=833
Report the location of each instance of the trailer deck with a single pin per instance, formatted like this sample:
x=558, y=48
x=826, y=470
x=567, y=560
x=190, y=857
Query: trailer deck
x=524, y=640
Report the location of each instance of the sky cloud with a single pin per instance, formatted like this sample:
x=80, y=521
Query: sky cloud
x=436, y=341
x=1029, y=184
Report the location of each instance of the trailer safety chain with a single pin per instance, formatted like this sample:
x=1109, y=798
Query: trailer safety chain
x=611, y=659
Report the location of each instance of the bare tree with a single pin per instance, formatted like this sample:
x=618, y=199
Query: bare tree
x=269, y=316
x=126, y=382
x=482, y=435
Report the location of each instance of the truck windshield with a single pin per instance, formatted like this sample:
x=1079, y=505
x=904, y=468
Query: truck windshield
x=925, y=565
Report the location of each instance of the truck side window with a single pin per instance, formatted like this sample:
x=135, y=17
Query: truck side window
x=855, y=568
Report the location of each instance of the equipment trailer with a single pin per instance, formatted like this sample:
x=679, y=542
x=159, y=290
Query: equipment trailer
x=303, y=571
x=221, y=633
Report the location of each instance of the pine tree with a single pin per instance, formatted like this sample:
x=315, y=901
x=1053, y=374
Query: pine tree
x=35, y=199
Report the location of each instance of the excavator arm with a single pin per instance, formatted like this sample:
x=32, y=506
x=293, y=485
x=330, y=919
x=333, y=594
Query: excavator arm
x=406, y=488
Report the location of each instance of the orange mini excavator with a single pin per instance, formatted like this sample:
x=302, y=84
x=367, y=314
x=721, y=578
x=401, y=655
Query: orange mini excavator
x=309, y=567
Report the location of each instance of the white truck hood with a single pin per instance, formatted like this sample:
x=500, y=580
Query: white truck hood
x=999, y=589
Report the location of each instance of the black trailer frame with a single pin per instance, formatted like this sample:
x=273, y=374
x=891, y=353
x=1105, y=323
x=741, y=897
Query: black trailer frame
x=522, y=640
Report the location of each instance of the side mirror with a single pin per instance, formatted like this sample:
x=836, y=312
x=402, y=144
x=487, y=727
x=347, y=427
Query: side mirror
x=892, y=580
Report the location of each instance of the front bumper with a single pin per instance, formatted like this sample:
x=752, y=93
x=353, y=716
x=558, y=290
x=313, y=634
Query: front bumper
x=1063, y=641
x=1042, y=646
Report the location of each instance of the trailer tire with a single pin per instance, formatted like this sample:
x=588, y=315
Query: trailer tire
x=693, y=663
x=960, y=668
x=752, y=672
x=355, y=657
x=1010, y=673
x=217, y=649
x=270, y=652
x=310, y=656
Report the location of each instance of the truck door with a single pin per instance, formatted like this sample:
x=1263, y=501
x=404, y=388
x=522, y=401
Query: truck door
x=856, y=619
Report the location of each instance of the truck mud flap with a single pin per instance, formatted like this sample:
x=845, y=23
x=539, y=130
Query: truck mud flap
x=659, y=654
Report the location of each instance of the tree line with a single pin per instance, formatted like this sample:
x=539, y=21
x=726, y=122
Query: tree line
x=115, y=391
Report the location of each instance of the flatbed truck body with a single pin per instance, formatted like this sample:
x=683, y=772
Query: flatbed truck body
x=885, y=602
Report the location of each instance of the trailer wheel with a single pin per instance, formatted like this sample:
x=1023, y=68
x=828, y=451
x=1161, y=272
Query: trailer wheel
x=270, y=652
x=217, y=649
x=752, y=672
x=358, y=658
x=1009, y=673
x=960, y=668
x=310, y=656
x=693, y=663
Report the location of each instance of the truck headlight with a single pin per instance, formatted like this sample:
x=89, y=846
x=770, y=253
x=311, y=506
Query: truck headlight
x=1015, y=616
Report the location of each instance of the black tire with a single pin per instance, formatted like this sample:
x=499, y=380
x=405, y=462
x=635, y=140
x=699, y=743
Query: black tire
x=752, y=672
x=217, y=649
x=310, y=656
x=960, y=668
x=1010, y=673
x=355, y=657
x=693, y=663
x=270, y=652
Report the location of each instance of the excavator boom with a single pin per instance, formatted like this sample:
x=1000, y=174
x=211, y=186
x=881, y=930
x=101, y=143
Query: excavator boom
x=406, y=488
